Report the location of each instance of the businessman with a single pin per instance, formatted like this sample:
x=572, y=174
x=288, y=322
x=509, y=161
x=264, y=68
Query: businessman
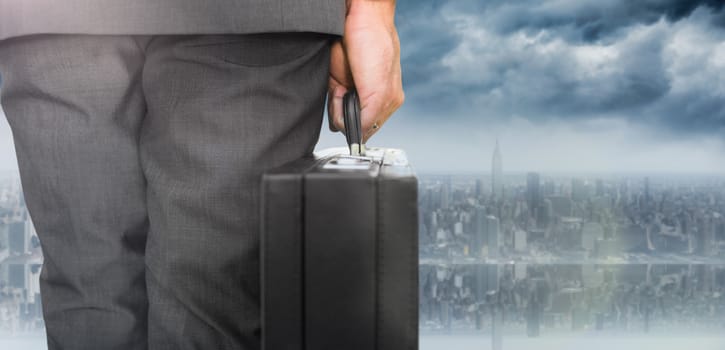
x=142, y=128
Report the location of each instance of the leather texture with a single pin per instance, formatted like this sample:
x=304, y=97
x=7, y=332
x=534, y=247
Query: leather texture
x=342, y=271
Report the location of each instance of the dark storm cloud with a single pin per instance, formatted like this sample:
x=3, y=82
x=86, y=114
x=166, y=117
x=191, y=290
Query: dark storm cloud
x=567, y=59
x=590, y=20
x=428, y=39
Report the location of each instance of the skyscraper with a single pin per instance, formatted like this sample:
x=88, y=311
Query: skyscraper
x=646, y=189
x=497, y=173
x=480, y=239
x=486, y=240
x=533, y=194
x=17, y=238
x=579, y=191
x=445, y=194
x=486, y=279
x=494, y=240
x=600, y=187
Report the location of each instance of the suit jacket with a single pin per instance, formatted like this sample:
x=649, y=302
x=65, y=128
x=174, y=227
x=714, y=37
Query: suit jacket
x=158, y=17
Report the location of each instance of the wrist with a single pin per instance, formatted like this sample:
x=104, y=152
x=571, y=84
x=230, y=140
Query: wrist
x=381, y=8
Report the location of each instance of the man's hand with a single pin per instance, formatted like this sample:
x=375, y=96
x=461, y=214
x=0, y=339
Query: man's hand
x=368, y=59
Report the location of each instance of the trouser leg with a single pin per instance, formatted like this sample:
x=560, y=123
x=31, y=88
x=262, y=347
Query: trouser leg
x=221, y=110
x=75, y=106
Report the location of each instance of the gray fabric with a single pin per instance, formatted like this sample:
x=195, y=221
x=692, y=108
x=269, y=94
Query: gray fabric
x=140, y=158
x=153, y=17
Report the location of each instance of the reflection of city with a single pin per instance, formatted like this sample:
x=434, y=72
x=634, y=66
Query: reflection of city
x=20, y=264
x=528, y=299
x=534, y=253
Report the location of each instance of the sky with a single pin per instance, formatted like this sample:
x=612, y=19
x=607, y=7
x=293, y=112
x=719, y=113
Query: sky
x=564, y=85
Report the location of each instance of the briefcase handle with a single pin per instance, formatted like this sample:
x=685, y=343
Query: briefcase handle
x=353, y=125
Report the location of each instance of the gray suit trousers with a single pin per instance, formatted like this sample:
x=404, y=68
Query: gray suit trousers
x=140, y=158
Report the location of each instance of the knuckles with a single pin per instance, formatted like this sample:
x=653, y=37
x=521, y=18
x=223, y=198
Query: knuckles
x=399, y=99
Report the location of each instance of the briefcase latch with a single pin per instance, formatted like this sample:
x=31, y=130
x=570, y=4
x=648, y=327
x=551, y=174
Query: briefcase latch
x=349, y=163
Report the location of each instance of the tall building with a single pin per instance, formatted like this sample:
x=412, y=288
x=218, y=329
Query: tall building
x=548, y=188
x=486, y=240
x=479, y=188
x=533, y=193
x=486, y=279
x=17, y=274
x=497, y=173
x=494, y=240
x=520, y=241
x=600, y=187
x=445, y=195
x=578, y=190
x=646, y=190
x=17, y=238
x=480, y=239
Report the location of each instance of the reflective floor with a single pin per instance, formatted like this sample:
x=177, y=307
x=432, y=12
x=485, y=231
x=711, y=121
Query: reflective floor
x=23, y=342
x=572, y=306
x=469, y=342
x=659, y=342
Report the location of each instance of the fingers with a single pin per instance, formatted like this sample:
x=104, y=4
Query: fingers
x=339, y=81
x=377, y=109
x=334, y=106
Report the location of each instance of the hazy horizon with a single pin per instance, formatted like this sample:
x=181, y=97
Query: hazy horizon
x=451, y=160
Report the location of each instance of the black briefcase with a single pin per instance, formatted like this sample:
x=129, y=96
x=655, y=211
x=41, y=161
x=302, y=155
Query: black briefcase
x=340, y=253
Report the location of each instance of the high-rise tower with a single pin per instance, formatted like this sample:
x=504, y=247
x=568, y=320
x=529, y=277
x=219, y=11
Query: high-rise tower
x=497, y=173
x=533, y=194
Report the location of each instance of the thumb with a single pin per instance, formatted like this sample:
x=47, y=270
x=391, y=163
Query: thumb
x=334, y=106
x=339, y=81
